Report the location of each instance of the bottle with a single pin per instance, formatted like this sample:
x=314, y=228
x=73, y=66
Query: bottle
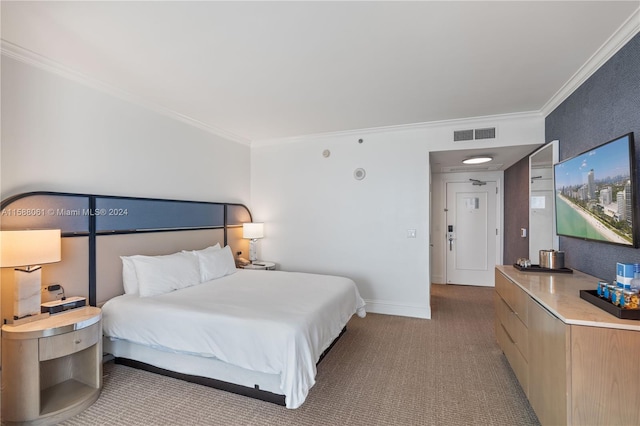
x=635, y=282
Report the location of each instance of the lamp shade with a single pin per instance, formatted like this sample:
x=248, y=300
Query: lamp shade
x=29, y=247
x=253, y=230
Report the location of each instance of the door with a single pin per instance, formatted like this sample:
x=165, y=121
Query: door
x=471, y=233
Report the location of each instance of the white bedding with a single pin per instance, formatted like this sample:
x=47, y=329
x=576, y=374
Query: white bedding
x=273, y=322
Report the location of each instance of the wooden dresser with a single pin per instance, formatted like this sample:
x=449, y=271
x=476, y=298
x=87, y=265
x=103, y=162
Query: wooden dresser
x=577, y=364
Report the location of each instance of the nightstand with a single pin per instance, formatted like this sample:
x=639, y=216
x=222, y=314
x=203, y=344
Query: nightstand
x=51, y=368
x=258, y=264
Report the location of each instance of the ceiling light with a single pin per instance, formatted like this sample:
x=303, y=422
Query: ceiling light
x=477, y=160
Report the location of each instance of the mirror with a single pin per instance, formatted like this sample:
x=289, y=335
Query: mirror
x=542, y=212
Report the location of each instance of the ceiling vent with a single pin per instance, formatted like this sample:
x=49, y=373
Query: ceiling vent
x=487, y=133
x=454, y=169
x=474, y=134
x=463, y=135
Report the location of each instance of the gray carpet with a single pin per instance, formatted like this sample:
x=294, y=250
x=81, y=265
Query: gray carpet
x=386, y=370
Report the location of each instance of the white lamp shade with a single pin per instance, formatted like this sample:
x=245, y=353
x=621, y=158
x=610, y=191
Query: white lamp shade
x=29, y=247
x=253, y=230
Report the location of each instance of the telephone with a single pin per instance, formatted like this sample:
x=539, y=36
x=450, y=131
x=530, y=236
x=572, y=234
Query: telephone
x=240, y=261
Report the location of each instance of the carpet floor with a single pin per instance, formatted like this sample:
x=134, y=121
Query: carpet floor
x=385, y=370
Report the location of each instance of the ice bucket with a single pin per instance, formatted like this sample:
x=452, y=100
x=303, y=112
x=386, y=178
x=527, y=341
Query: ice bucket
x=551, y=259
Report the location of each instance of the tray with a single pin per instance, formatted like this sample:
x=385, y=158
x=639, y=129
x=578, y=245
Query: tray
x=592, y=297
x=537, y=268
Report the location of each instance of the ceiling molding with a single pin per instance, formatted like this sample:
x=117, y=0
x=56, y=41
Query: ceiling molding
x=488, y=120
x=626, y=32
x=21, y=54
x=18, y=53
x=613, y=44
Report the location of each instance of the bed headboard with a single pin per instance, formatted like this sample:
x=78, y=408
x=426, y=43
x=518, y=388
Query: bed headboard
x=97, y=229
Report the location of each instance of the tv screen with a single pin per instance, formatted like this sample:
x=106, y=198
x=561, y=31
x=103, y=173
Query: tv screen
x=595, y=194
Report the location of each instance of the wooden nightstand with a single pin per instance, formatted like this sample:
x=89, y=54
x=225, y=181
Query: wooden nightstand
x=51, y=368
x=258, y=264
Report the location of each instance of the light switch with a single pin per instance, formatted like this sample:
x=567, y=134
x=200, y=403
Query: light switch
x=411, y=233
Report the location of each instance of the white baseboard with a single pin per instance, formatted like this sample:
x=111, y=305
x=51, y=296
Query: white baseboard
x=437, y=279
x=394, y=308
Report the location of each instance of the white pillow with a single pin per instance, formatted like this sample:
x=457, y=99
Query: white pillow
x=205, y=250
x=216, y=263
x=129, y=277
x=163, y=274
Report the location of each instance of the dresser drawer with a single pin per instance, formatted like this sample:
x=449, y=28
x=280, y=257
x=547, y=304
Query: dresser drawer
x=517, y=362
x=68, y=343
x=514, y=296
x=518, y=332
x=504, y=314
x=520, y=335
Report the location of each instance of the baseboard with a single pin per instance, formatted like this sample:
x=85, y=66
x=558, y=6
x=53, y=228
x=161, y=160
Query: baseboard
x=438, y=279
x=394, y=308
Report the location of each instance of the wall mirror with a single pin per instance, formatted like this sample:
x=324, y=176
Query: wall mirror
x=542, y=212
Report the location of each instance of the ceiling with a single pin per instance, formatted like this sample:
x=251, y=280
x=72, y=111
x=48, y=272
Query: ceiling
x=503, y=158
x=265, y=70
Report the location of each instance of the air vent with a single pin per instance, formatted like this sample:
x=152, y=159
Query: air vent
x=474, y=134
x=453, y=169
x=488, y=133
x=463, y=135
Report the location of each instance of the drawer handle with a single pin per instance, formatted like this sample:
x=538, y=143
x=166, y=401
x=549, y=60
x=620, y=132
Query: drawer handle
x=77, y=341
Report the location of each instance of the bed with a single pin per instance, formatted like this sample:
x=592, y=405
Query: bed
x=192, y=331
x=257, y=329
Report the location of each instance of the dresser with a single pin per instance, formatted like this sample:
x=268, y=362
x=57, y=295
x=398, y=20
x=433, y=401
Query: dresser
x=577, y=364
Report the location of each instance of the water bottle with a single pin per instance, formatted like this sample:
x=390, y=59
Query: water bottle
x=635, y=282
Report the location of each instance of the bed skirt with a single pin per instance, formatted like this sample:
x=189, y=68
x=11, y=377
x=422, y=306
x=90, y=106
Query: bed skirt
x=205, y=371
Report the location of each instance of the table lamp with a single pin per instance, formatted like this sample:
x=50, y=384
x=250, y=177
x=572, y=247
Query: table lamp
x=26, y=250
x=253, y=231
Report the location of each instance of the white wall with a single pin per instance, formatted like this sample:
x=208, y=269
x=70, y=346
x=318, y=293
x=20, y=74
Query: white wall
x=60, y=135
x=319, y=219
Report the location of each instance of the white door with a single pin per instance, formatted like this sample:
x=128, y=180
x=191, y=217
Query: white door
x=471, y=233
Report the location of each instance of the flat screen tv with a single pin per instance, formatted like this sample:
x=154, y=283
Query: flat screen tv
x=595, y=194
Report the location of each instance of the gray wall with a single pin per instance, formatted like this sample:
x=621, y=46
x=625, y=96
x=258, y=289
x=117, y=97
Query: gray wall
x=604, y=107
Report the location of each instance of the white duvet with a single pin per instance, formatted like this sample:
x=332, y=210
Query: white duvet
x=273, y=322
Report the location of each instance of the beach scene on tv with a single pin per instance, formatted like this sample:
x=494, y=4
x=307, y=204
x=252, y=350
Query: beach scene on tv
x=594, y=194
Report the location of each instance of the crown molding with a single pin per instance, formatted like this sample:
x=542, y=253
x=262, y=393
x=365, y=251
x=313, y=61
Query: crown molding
x=21, y=54
x=626, y=32
x=486, y=120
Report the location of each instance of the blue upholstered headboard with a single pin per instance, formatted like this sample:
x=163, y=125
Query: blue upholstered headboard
x=91, y=219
